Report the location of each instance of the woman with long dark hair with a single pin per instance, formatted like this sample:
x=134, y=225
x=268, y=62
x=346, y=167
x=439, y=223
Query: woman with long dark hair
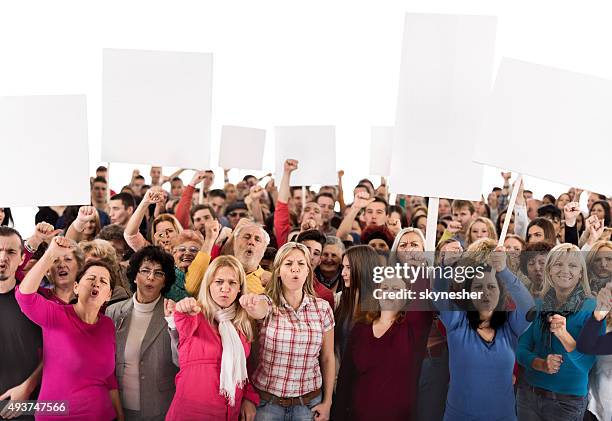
x=482, y=337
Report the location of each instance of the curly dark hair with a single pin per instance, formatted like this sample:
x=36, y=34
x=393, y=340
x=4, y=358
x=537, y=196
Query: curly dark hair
x=156, y=255
x=500, y=313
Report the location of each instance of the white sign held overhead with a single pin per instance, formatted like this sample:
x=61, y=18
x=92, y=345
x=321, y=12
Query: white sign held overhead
x=315, y=149
x=549, y=123
x=157, y=108
x=242, y=147
x=44, y=142
x=380, y=151
x=445, y=76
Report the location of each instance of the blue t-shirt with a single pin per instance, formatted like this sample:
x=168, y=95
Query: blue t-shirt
x=481, y=373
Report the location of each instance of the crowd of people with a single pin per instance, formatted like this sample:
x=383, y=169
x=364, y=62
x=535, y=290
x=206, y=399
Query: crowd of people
x=167, y=301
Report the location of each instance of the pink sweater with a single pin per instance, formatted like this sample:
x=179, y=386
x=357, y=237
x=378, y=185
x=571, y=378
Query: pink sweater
x=197, y=383
x=78, y=359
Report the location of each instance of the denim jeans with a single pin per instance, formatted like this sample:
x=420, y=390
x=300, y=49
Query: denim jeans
x=433, y=387
x=533, y=407
x=270, y=411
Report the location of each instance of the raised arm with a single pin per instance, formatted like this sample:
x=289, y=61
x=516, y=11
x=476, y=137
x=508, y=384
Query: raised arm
x=282, y=224
x=166, y=179
x=75, y=230
x=153, y=195
x=284, y=190
x=253, y=203
x=361, y=201
x=340, y=197
x=571, y=212
x=58, y=247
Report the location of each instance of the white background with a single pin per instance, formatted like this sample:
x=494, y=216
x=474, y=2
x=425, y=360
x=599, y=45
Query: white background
x=279, y=62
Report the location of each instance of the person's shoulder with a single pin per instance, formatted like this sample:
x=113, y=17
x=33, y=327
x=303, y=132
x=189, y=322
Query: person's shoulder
x=114, y=310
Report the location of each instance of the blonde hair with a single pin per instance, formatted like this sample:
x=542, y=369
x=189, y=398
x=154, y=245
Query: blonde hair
x=490, y=229
x=405, y=231
x=164, y=217
x=558, y=252
x=99, y=249
x=595, y=249
x=241, y=321
x=274, y=287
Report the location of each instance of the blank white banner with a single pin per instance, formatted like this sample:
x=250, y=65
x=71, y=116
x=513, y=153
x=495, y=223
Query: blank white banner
x=45, y=154
x=242, y=148
x=315, y=149
x=445, y=76
x=549, y=123
x=157, y=108
x=380, y=151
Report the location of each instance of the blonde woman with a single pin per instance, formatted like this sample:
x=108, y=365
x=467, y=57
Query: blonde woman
x=480, y=227
x=215, y=333
x=599, y=263
x=295, y=375
x=164, y=227
x=556, y=373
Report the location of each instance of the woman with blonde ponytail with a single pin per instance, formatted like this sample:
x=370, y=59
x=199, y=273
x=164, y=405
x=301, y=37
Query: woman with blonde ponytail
x=214, y=343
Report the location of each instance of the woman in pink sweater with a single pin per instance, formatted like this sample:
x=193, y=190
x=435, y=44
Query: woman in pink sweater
x=214, y=342
x=78, y=341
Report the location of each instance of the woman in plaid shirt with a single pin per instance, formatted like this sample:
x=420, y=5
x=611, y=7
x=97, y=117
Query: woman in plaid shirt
x=295, y=375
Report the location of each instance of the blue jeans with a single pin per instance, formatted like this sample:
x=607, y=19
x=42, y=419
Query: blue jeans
x=533, y=407
x=270, y=411
x=433, y=387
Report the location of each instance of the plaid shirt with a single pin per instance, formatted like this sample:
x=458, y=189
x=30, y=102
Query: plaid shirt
x=290, y=344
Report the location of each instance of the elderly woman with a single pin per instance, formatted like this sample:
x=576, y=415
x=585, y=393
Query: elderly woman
x=556, y=373
x=62, y=276
x=185, y=247
x=164, y=227
x=78, y=341
x=144, y=366
x=295, y=375
x=482, y=336
x=215, y=335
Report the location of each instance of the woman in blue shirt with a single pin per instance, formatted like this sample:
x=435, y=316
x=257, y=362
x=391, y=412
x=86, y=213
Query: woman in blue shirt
x=483, y=337
x=556, y=373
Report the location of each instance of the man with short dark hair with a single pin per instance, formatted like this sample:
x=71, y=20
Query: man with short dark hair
x=326, y=202
x=156, y=176
x=20, y=339
x=314, y=240
x=121, y=208
x=101, y=171
x=200, y=215
x=216, y=199
x=137, y=185
x=99, y=193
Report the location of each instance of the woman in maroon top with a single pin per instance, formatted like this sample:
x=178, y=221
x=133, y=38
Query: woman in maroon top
x=380, y=369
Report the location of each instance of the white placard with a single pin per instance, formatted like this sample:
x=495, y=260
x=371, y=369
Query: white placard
x=315, y=149
x=549, y=123
x=45, y=154
x=242, y=147
x=157, y=108
x=380, y=151
x=445, y=75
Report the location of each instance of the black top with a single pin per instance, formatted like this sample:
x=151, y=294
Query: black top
x=20, y=343
x=591, y=342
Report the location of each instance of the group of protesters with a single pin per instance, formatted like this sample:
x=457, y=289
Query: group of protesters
x=167, y=301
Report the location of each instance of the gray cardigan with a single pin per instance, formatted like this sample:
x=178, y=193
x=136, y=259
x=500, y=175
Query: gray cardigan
x=157, y=371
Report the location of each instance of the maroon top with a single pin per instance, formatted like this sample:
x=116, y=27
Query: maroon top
x=379, y=377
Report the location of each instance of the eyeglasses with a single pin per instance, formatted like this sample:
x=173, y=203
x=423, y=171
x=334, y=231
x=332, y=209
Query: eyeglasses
x=157, y=274
x=192, y=250
x=238, y=214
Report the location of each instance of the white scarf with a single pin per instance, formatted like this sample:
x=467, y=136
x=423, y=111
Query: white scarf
x=233, y=360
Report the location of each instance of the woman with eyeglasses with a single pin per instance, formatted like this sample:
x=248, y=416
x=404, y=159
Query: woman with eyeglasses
x=144, y=366
x=164, y=227
x=185, y=247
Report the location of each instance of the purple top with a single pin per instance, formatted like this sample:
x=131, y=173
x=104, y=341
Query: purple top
x=78, y=359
